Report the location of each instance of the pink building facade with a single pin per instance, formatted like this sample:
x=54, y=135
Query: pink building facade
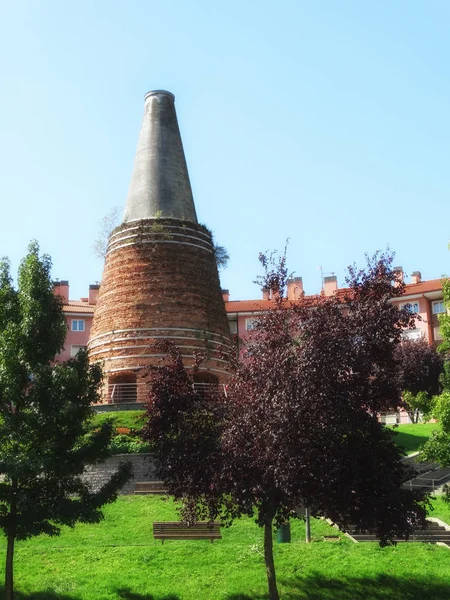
x=79, y=315
x=424, y=297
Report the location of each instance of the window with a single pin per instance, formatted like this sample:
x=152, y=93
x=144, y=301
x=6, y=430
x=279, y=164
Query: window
x=411, y=306
x=412, y=334
x=233, y=327
x=389, y=418
x=438, y=307
x=250, y=324
x=437, y=334
x=75, y=349
x=77, y=324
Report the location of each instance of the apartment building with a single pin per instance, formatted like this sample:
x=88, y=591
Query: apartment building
x=424, y=297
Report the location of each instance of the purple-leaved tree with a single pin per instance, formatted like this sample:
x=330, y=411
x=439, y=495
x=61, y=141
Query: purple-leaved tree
x=185, y=428
x=299, y=424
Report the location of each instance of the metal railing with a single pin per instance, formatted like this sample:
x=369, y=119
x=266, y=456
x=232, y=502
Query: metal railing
x=127, y=393
x=122, y=393
x=211, y=388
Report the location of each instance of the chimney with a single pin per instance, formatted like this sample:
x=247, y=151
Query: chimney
x=61, y=288
x=294, y=288
x=93, y=293
x=416, y=277
x=400, y=276
x=266, y=293
x=160, y=185
x=330, y=285
x=225, y=295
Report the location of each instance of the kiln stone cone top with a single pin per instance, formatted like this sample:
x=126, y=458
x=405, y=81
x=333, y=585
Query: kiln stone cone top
x=160, y=185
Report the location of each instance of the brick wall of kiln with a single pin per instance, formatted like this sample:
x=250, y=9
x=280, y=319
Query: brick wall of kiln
x=160, y=281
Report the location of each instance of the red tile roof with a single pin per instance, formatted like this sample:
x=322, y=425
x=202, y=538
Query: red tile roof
x=432, y=285
x=258, y=305
x=424, y=287
x=241, y=306
x=247, y=305
x=77, y=306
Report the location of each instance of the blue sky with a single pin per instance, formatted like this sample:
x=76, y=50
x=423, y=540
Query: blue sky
x=325, y=122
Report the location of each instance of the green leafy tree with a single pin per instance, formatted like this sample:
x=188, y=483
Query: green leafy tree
x=45, y=409
x=220, y=252
x=445, y=377
x=419, y=369
x=438, y=446
x=417, y=405
x=222, y=256
x=444, y=320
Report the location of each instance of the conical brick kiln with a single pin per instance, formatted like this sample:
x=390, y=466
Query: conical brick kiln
x=160, y=278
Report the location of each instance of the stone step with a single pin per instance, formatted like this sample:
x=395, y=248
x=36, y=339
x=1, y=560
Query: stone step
x=417, y=536
x=425, y=540
x=427, y=531
x=426, y=485
x=429, y=480
x=438, y=477
x=430, y=526
x=433, y=533
x=425, y=467
x=421, y=533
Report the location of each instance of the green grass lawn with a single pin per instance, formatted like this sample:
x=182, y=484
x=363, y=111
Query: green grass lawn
x=121, y=418
x=412, y=435
x=441, y=509
x=119, y=559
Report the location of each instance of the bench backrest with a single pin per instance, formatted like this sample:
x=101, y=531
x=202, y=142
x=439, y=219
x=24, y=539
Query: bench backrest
x=175, y=530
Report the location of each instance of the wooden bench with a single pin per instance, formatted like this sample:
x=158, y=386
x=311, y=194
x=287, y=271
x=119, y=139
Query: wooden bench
x=144, y=488
x=174, y=530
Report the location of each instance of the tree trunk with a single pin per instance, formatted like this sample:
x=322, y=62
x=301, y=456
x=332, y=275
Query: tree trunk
x=270, y=566
x=9, y=573
x=413, y=415
x=11, y=538
x=307, y=525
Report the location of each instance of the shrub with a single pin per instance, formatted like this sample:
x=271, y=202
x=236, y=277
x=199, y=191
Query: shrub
x=125, y=444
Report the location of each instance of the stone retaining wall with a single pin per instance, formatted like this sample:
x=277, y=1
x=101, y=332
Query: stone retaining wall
x=143, y=468
x=104, y=408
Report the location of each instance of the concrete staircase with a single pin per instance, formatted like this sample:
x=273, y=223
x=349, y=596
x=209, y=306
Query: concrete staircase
x=430, y=480
x=430, y=475
x=436, y=532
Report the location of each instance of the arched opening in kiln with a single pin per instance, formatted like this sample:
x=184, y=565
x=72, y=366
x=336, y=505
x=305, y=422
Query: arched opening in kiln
x=122, y=387
x=206, y=377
